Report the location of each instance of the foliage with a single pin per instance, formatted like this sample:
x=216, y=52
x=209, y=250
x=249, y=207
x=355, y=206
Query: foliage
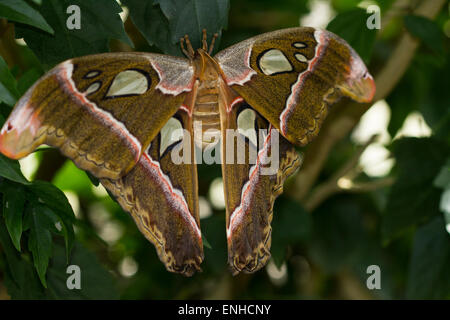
x=401, y=228
x=351, y=26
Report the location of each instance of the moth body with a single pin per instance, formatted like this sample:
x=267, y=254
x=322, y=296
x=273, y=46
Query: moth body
x=206, y=112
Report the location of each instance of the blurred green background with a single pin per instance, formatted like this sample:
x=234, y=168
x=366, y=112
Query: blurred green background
x=374, y=188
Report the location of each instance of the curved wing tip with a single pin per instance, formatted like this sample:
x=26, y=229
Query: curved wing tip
x=18, y=140
x=359, y=88
x=360, y=84
x=9, y=143
x=367, y=88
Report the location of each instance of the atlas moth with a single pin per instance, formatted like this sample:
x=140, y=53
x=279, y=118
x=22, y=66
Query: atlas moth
x=114, y=115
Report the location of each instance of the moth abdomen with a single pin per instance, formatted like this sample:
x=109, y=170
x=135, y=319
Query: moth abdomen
x=206, y=113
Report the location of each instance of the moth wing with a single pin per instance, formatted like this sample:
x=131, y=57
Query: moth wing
x=292, y=76
x=161, y=194
x=256, y=160
x=101, y=111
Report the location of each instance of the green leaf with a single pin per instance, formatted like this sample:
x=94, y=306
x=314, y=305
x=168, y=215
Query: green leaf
x=22, y=281
x=423, y=89
x=442, y=180
x=20, y=11
x=55, y=199
x=407, y=96
x=96, y=282
x=100, y=22
x=413, y=199
x=429, y=276
x=192, y=16
x=40, y=239
x=291, y=224
x=427, y=31
x=14, y=266
x=435, y=108
x=10, y=169
x=338, y=233
x=26, y=284
x=344, y=5
x=351, y=26
x=13, y=209
x=28, y=79
x=163, y=23
x=8, y=91
x=153, y=25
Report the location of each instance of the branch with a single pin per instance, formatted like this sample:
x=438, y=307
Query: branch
x=345, y=115
x=9, y=49
x=342, y=181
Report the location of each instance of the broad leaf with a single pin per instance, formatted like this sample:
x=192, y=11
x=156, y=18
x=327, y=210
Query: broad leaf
x=8, y=90
x=407, y=96
x=413, y=199
x=163, y=23
x=14, y=197
x=211, y=15
x=20, y=11
x=10, y=169
x=22, y=281
x=40, y=238
x=338, y=234
x=55, y=199
x=291, y=224
x=351, y=26
x=153, y=25
x=429, y=276
x=96, y=282
x=435, y=108
x=28, y=79
x=426, y=30
x=100, y=22
x=14, y=266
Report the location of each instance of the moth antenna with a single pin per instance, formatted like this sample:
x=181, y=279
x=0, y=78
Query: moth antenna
x=189, y=47
x=183, y=49
x=213, y=41
x=204, y=42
